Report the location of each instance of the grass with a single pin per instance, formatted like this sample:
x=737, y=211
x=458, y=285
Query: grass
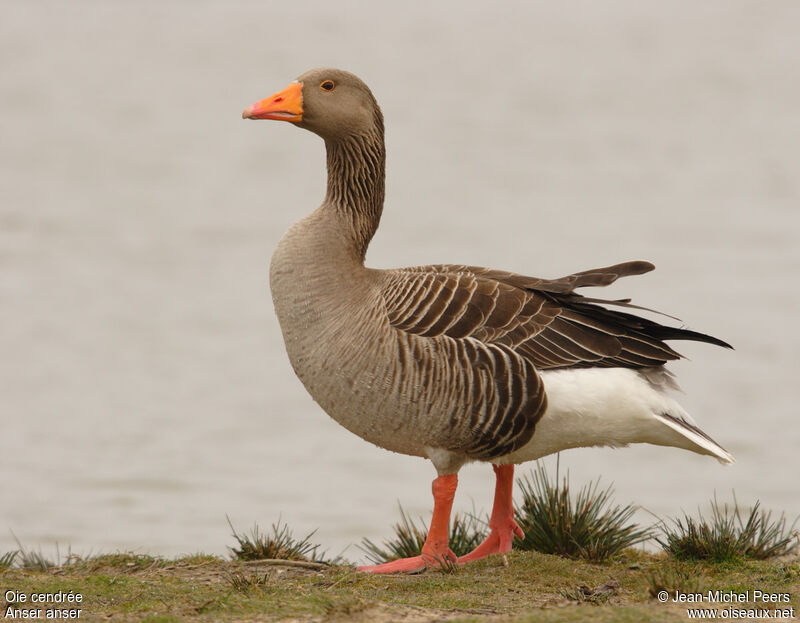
x=244, y=583
x=598, y=595
x=727, y=537
x=466, y=533
x=277, y=544
x=332, y=606
x=273, y=576
x=7, y=560
x=677, y=577
x=121, y=562
x=532, y=588
x=31, y=560
x=584, y=526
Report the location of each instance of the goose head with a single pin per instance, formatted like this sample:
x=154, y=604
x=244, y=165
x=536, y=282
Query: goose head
x=332, y=103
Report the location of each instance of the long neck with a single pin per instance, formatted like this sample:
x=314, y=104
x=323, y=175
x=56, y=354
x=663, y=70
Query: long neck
x=356, y=171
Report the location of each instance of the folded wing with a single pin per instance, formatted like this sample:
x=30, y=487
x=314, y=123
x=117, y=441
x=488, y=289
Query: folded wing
x=543, y=320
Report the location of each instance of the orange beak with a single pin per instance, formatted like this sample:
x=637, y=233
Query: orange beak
x=284, y=106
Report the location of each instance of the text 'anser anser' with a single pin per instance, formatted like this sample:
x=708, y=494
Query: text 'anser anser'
x=455, y=363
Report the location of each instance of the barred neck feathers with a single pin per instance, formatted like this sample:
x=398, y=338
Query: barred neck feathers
x=356, y=171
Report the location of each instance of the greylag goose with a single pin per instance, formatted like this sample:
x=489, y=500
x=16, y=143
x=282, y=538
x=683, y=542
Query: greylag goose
x=455, y=363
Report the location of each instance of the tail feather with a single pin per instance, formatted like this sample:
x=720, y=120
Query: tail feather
x=613, y=407
x=693, y=433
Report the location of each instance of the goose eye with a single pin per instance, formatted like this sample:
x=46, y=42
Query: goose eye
x=327, y=85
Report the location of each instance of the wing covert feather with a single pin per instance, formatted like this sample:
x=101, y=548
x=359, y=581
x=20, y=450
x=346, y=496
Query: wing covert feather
x=543, y=320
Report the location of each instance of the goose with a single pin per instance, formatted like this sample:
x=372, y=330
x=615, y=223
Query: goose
x=456, y=363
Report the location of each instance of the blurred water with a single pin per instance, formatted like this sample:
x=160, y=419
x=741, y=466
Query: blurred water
x=144, y=389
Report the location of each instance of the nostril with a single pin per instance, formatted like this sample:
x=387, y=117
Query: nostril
x=278, y=99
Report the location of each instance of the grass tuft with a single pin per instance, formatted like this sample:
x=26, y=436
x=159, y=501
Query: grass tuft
x=126, y=562
x=676, y=578
x=588, y=527
x=466, y=533
x=447, y=565
x=337, y=607
x=30, y=560
x=278, y=544
x=727, y=537
x=242, y=583
x=7, y=560
x=33, y=561
x=596, y=596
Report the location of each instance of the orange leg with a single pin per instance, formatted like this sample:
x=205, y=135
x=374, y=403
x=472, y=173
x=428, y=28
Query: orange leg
x=436, y=546
x=501, y=523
